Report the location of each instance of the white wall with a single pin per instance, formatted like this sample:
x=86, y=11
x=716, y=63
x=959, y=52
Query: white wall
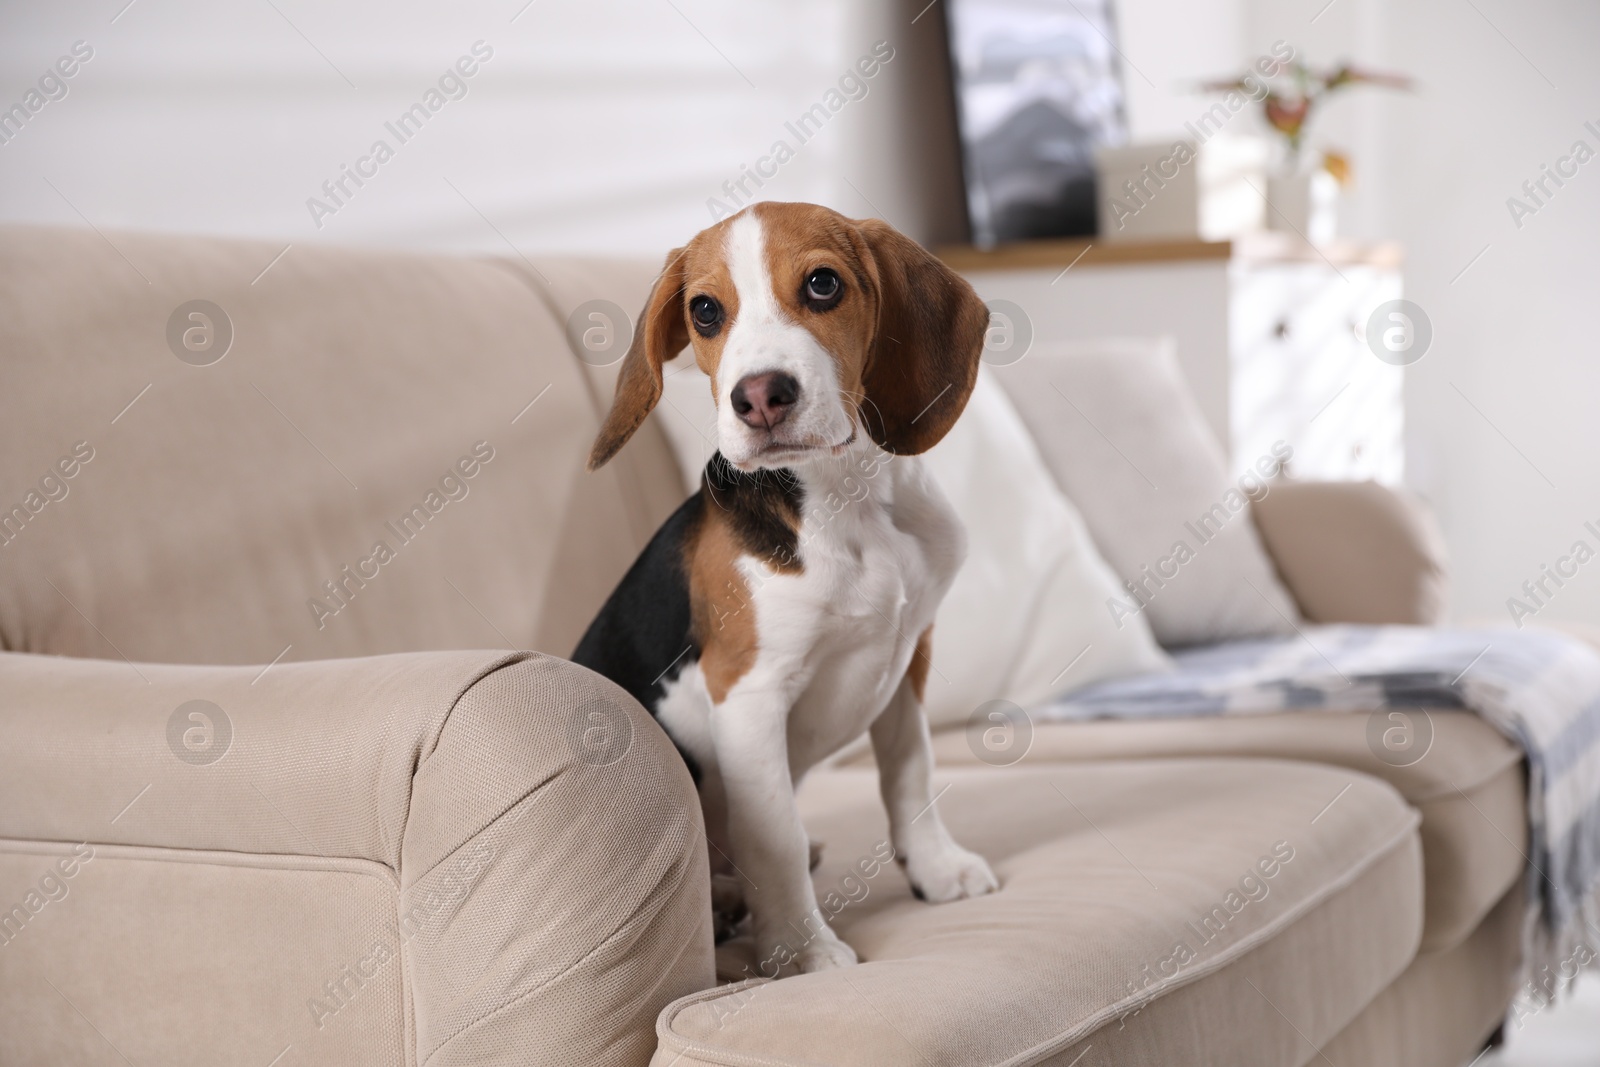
x=600, y=126
x=606, y=126
x=1503, y=431
x=596, y=126
x=1169, y=47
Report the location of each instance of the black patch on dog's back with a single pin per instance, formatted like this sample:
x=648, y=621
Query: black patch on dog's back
x=643, y=637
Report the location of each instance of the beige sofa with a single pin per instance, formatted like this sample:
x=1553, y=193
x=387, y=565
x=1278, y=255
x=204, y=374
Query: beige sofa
x=375, y=842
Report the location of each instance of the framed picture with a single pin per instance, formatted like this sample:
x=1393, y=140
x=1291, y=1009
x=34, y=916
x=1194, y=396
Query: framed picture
x=1038, y=88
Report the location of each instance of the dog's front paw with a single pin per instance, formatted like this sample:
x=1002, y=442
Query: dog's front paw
x=825, y=952
x=781, y=957
x=951, y=873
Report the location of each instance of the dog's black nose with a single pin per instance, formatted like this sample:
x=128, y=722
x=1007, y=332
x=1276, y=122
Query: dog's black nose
x=763, y=400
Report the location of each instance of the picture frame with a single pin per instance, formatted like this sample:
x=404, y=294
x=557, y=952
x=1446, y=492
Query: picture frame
x=1038, y=88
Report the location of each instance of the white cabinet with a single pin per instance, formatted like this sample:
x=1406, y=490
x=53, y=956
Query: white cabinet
x=1270, y=332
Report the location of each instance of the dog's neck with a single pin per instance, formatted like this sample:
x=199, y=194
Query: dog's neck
x=860, y=474
x=821, y=503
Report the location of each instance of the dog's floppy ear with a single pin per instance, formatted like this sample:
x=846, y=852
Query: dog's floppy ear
x=660, y=334
x=924, y=357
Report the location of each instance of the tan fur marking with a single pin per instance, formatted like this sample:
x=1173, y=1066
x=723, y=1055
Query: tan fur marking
x=661, y=333
x=921, y=660
x=697, y=269
x=906, y=336
x=924, y=359
x=801, y=238
x=707, y=275
x=722, y=613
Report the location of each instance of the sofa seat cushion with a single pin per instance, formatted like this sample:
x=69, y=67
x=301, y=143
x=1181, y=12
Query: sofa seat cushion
x=1468, y=786
x=1110, y=875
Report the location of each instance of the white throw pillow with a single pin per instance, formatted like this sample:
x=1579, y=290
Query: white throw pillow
x=1026, y=615
x=1126, y=441
x=688, y=416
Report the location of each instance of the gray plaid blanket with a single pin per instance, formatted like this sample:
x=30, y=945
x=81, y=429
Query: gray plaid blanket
x=1538, y=688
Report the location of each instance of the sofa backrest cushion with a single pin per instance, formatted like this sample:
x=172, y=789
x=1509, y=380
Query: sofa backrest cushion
x=340, y=453
x=1356, y=552
x=1120, y=430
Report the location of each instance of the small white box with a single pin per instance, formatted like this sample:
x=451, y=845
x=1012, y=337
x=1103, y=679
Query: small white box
x=1180, y=189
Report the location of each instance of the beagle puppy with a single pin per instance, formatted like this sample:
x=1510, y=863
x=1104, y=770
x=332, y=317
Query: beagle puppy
x=785, y=609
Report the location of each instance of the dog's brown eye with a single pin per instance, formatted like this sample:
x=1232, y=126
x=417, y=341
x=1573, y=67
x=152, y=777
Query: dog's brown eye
x=823, y=288
x=706, y=314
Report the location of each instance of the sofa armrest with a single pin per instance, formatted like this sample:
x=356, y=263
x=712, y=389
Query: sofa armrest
x=1355, y=552
x=437, y=857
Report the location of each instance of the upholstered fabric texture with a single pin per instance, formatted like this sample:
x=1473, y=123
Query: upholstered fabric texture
x=1441, y=1011
x=1468, y=786
x=1138, y=903
x=443, y=858
x=1356, y=552
x=1126, y=441
x=365, y=398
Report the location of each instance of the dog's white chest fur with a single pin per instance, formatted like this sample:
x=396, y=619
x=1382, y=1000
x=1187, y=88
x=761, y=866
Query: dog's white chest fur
x=875, y=571
x=878, y=552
